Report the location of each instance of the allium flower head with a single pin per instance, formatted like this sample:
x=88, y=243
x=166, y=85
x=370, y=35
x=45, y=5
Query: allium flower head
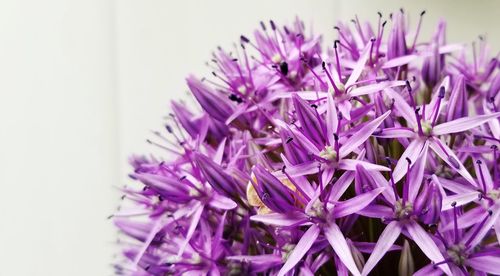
x=377, y=154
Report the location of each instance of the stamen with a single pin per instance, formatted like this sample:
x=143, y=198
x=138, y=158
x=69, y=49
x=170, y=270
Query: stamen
x=438, y=104
x=495, y=163
x=412, y=102
x=393, y=185
x=455, y=223
x=417, y=32
x=337, y=91
x=322, y=83
x=476, y=231
x=407, y=181
x=372, y=41
x=474, y=57
x=337, y=147
x=337, y=58
x=479, y=163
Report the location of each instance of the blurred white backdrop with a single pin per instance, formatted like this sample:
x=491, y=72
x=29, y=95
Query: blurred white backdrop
x=82, y=84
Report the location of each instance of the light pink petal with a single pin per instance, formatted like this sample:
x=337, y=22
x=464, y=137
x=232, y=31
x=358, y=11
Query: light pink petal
x=340, y=246
x=303, y=169
x=345, y=107
x=240, y=110
x=450, y=48
x=417, y=173
x=331, y=119
x=463, y=124
x=456, y=187
x=361, y=135
x=368, y=247
x=281, y=219
x=428, y=270
x=192, y=226
x=488, y=181
x=360, y=65
x=495, y=209
x=220, y=152
x=222, y=202
x=355, y=204
x=466, y=220
x=396, y=132
x=341, y=185
x=373, y=88
x=327, y=175
x=384, y=243
x=489, y=264
x=437, y=146
x=412, y=152
x=426, y=244
x=300, y=249
x=377, y=211
x=305, y=142
x=459, y=199
x=380, y=181
x=497, y=229
x=350, y=165
x=402, y=107
x=430, y=108
x=399, y=61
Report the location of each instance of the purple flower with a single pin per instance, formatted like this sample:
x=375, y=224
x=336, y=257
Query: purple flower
x=309, y=161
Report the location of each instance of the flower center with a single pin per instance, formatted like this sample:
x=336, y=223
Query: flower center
x=457, y=254
x=328, y=153
x=494, y=194
x=316, y=210
x=403, y=211
x=287, y=250
x=426, y=128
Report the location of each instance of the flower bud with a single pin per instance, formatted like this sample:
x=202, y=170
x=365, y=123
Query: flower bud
x=396, y=45
x=185, y=119
x=215, y=105
x=406, y=264
x=457, y=105
x=311, y=125
x=222, y=182
x=433, y=65
x=272, y=192
x=428, y=204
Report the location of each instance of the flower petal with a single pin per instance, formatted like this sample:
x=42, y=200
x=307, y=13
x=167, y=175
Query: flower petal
x=402, y=107
x=361, y=135
x=384, y=243
x=427, y=245
x=340, y=246
x=355, y=204
x=395, y=132
x=350, y=165
x=399, y=61
x=463, y=124
x=222, y=202
x=451, y=159
x=281, y=219
x=417, y=173
x=487, y=264
x=341, y=185
x=373, y=88
x=412, y=152
x=300, y=249
x=360, y=65
x=459, y=199
x=192, y=226
x=332, y=120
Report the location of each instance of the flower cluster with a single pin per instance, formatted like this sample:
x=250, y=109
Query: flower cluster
x=376, y=155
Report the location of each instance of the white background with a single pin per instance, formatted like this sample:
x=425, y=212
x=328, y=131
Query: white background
x=82, y=83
